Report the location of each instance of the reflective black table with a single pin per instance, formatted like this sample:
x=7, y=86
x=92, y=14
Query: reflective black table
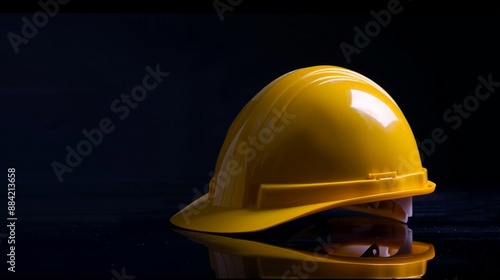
x=123, y=232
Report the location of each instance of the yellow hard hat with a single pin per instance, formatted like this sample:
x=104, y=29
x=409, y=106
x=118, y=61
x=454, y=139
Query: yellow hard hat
x=351, y=247
x=314, y=139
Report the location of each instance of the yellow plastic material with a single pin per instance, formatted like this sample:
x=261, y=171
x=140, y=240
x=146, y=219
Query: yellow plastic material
x=314, y=139
x=356, y=248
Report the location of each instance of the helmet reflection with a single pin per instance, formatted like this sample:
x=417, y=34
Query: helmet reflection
x=347, y=247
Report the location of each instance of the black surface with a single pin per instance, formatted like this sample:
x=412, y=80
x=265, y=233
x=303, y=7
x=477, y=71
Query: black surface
x=101, y=228
x=111, y=212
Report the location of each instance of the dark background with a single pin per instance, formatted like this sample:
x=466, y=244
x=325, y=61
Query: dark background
x=65, y=78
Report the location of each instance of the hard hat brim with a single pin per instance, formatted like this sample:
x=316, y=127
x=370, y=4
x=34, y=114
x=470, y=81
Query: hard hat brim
x=201, y=215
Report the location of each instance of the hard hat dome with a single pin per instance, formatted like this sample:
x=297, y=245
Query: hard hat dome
x=324, y=136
